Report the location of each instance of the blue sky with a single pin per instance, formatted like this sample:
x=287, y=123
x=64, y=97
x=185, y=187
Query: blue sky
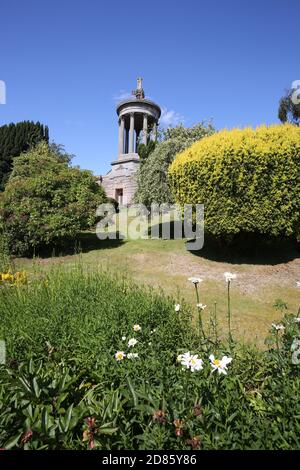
x=65, y=62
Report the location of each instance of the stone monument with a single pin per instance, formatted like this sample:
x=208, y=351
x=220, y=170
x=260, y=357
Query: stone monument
x=138, y=119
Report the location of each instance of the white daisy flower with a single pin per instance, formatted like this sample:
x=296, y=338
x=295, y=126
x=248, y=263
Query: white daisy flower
x=201, y=306
x=229, y=276
x=132, y=342
x=195, y=280
x=137, y=328
x=132, y=355
x=192, y=362
x=195, y=363
x=277, y=327
x=297, y=320
x=123, y=338
x=177, y=307
x=185, y=359
x=120, y=355
x=220, y=364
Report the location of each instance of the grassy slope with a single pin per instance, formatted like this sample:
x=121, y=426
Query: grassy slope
x=166, y=264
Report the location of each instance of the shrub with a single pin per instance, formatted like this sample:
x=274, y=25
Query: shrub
x=152, y=176
x=46, y=200
x=248, y=180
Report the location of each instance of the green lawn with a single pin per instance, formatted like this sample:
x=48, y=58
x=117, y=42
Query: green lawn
x=166, y=264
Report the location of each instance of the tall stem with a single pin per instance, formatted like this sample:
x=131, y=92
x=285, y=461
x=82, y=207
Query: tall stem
x=229, y=312
x=199, y=313
x=277, y=340
x=215, y=323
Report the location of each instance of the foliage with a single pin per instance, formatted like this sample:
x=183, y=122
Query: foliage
x=289, y=108
x=46, y=200
x=145, y=150
x=153, y=185
x=248, y=181
x=15, y=139
x=62, y=387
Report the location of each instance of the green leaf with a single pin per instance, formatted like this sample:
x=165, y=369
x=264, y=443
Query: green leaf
x=134, y=395
x=12, y=442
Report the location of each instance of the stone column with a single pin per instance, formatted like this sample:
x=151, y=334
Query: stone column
x=126, y=141
x=145, y=129
x=121, y=136
x=137, y=140
x=155, y=132
x=131, y=134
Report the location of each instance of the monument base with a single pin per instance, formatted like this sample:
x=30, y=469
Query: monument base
x=120, y=182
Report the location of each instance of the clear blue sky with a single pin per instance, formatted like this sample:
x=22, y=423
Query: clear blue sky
x=65, y=62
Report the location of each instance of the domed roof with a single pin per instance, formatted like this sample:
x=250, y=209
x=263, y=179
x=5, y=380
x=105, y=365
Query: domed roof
x=138, y=101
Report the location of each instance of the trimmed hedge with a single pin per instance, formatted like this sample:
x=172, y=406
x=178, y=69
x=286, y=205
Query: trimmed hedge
x=248, y=180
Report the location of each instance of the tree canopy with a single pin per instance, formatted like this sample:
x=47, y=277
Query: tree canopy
x=47, y=201
x=15, y=139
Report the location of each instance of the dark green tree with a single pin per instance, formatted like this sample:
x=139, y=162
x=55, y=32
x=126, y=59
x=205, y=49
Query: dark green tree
x=15, y=139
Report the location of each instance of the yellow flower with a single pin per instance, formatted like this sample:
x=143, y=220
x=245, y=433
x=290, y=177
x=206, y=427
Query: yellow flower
x=20, y=277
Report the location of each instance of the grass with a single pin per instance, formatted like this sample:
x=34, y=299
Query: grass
x=166, y=265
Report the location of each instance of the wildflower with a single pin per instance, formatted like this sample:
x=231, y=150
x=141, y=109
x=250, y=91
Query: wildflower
x=89, y=433
x=229, y=276
x=149, y=343
x=194, y=442
x=177, y=307
x=20, y=277
x=184, y=359
x=190, y=361
x=297, y=320
x=220, y=365
x=152, y=331
x=178, y=423
x=132, y=355
x=26, y=436
x=120, y=355
x=197, y=410
x=123, y=338
x=195, y=280
x=137, y=328
x=159, y=416
x=132, y=342
x=90, y=422
x=201, y=306
x=195, y=363
x=278, y=327
x=6, y=277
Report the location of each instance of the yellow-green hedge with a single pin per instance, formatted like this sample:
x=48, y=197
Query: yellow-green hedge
x=248, y=180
